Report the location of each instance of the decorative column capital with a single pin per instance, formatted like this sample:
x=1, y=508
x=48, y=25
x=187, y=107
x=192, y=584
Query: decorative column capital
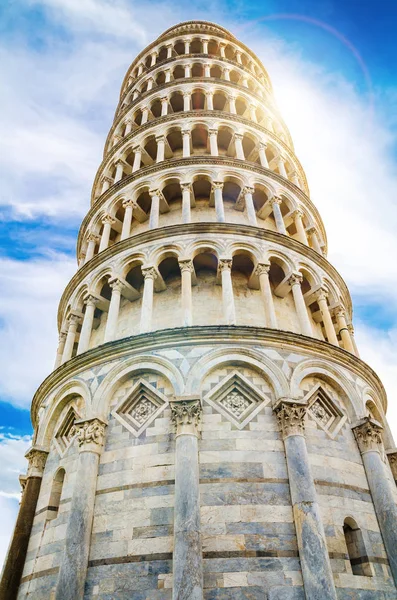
x=209, y=92
x=116, y=284
x=368, y=435
x=186, y=415
x=149, y=272
x=217, y=185
x=392, y=457
x=275, y=200
x=164, y=99
x=213, y=131
x=137, y=148
x=290, y=416
x=187, y=94
x=186, y=186
x=321, y=294
x=92, y=237
x=225, y=264
x=262, y=145
x=74, y=318
x=22, y=482
x=108, y=220
x=186, y=265
x=298, y=213
x=295, y=279
x=91, y=300
x=311, y=230
x=238, y=136
x=129, y=202
x=248, y=190
x=262, y=268
x=160, y=138
x=89, y=434
x=37, y=458
x=185, y=131
x=153, y=193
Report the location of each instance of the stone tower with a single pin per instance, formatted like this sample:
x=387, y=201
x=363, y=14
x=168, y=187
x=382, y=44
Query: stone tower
x=209, y=430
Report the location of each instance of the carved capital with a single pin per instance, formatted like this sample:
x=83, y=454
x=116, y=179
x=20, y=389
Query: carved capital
x=186, y=415
x=74, y=319
x=129, y=202
x=92, y=237
x=298, y=214
x=91, y=300
x=108, y=220
x=22, y=482
x=392, y=457
x=149, y=272
x=116, y=284
x=37, y=458
x=262, y=268
x=320, y=294
x=275, y=200
x=291, y=417
x=153, y=193
x=248, y=190
x=137, y=149
x=217, y=185
x=213, y=132
x=160, y=138
x=262, y=145
x=164, y=99
x=295, y=279
x=186, y=187
x=368, y=435
x=186, y=132
x=238, y=136
x=186, y=265
x=89, y=434
x=225, y=264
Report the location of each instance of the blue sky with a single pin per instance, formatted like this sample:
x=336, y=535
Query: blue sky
x=332, y=64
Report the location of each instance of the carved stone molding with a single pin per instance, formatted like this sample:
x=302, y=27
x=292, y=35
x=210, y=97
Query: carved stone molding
x=186, y=415
x=368, y=435
x=89, y=434
x=291, y=417
x=37, y=458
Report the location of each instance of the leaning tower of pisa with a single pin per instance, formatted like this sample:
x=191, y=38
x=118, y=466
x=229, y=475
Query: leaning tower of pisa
x=209, y=430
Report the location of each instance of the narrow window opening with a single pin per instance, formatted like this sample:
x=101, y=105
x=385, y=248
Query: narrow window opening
x=56, y=493
x=359, y=560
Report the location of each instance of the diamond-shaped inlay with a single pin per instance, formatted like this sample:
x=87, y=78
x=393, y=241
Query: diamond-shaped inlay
x=236, y=398
x=65, y=435
x=140, y=407
x=325, y=411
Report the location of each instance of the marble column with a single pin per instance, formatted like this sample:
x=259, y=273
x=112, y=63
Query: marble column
x=150, y=275
x=207, y=71
x=314, y=239
x=249, y=205
x=252, y=110
x=187, y=269
x=238, y=58
x=226, y=74
x=153, y=58
x=107, y=222
x=114, y=308
x=295, y=282
x=238, y=143
x=343, y=330
x=128, y=127
x=369, y=440
x=170, y=47
x=92, y=240
x=167, y=75
x=229, y=313
x=262, y=271
x=106, y=183
x=186, y=195
x=186, y=101
x=321, y=297
x=300, y=230
x=205, y=46
x=213, y=135
x=17, y=550
x=150, y=83
x=262, y=155
x=353, y=339
x=160, y=148
x=187, y=555
x=73, y=323
x=128, y=206
x=119, y=171
x=187, y=71
x=185, y=143
x=86, y=328
x=140, y=69
x=209, y=100
x=61, y=346
x=73, y=568
x=281, y=167
x=145, y=115
x=137, y=158
x=232, y=105
x=187, y=46
x=278, y=217
x=164, y=106
x=217, y=188
x=154, y=209
x=313, y=553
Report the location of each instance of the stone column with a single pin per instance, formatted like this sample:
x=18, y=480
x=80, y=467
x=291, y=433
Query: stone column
x=186, y=101
x=107, y=228
x=205, y=46
x=128, y=206
x=262, y=271
x=169, y=50
x=150, y=82
x=74, y=320
x=164, y=106
x=253, y=113
x=210, y=100
x=316, y=568
x=150, y=275
x=238, y=143
x=186, y=193
x=187, y=269
x=140, y=69
x=238, y=58
x=222, y=50
x=244, y=81
x=300, y=230
x=207, y=71
x=119, y=171
x=106, y=183
x=154, y=58
x=160, y=148
x=351, y=331
x=74, y=561
x=167, y=75
x=217, y=188
x=187, y=46
x=92, y=240
x=392, y=458
x=232, y=105
x=278, y=217
x=294, y=178
x=145, y=115
x=314, y=239
x=321, y=297
x=343, y=330
x=86, y=328
x=61, y=346
x=226, y=74
x=262, y=155
x=295, y=282
x=249, y=205
x=225, y=267
x=185, y=143
x=154, y=209
x=213, y=134
x=281, y=167
x=187, y=71
x=137, y=158
x=128, y=127
x=114, y=308
x=135, y=95
x=369, y=440
x=187, y=556
x=17, y=550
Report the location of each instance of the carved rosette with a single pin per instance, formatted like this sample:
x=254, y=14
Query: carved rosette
x=291, y=417
x=186, y=416
x=368, y=435
x=37, y=459
x=89, y=434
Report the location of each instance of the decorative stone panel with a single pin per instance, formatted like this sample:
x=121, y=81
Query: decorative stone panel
x=139, y=407
x=325, y=411
x=66, y=431
x=237, y=399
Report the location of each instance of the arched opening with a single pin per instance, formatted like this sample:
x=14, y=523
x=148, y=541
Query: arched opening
x=179, y=72
x=150, y=147
x=241, y=107
x=216, y=72
x=196, y=46
x=225, y=136
x=219, y=101
x=160, y=78
x=176, y=102
x=198, y=100
x=179, y=48
x=155, y=108
x=200, y=140
x=206, y=294
x=162, y=55
x=246, y=300
x=356, y=551
x=249, y=147
x=175, y=142
x=198, y=70
x=230, y=52
x=202, y=193
x=234, y=76
x=56, y=494
x=148, y=61
x=166, y=305
x=212, y=48
x=231, y=192
x=173, y=194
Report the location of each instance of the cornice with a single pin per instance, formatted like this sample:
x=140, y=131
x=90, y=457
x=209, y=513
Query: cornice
x=222, y=33
x=214, y=335
x=162, y=233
